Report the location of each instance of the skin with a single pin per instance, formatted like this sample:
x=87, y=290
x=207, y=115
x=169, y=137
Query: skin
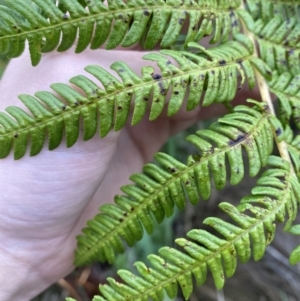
x=46, y=200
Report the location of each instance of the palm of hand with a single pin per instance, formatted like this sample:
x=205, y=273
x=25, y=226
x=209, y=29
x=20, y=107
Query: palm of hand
x=46, y=200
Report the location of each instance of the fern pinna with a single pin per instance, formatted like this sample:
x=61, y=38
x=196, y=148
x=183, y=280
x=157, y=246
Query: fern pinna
x=218, y=70
x=43, y=23
x=276, y=194
x=255, y=41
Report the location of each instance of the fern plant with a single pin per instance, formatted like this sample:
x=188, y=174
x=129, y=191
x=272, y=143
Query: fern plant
x=253, y=41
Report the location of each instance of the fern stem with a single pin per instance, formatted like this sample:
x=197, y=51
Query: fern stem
x=265, y=95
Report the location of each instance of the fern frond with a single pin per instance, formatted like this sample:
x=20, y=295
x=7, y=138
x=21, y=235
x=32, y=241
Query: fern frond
x=214, y=71
x=287, y=88
x=268, y=9
x=159, y=189
x=293, y=146
x=47, y=27
x=278, y=42
x=295, y=254
x=276, y=195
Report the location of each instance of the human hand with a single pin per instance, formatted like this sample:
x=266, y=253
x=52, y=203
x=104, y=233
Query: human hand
x=46, y=200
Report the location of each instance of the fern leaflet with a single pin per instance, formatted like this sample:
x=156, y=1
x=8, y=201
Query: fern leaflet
x=158, y=189
x=293, y=146
x=268, y=9
x=213, y=70
x=47, y=26
x=295, y=254
x=278, y=43
x=276, y=195
x=286, y=88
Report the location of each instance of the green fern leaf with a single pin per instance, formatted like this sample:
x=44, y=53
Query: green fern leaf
x=268, y=9
x=286, y=87
x=278, y=43
x=47, y=27
x=295, y=254
x=276, y=195
x=159, y=189
x=192, y=75
x=293, y=146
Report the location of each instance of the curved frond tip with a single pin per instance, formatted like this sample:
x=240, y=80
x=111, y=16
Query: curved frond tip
x=47, y=26
x=159, y=188
x=275, y=196
x=213, y=72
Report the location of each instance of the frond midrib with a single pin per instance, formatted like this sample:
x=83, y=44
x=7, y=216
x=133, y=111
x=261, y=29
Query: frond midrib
x=71, y=110
x=139, y=209
x=91, y=16
x=224, y=247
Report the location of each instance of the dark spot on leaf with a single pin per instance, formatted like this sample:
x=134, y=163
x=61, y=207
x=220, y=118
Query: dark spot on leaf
x=238, y=139
x=64, y=107
x=180, y=21
x=156, y=76
x=119, y=108
x=146, y=13
x=176, y=92
x=234, y=23
x=269, y=72
x=16, y=135
x=222, y=62
x=278, y=132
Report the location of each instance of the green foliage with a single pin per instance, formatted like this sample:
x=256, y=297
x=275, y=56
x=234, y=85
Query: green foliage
x=278, y=43
x=295, y=255
x=189, y=75
x=159, y=189
x=216, y=73
x=43, y=23
x=285, y=86
x=274, y=197
x=269, y=9
x=293, y=146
